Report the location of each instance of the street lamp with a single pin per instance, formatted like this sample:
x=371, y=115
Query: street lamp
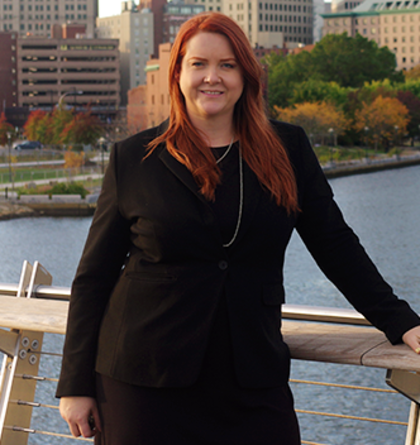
x=331, y=131
x=102, y=147
x=71, y=91
x=397, y=142
x=9, y=143
x=366, y=142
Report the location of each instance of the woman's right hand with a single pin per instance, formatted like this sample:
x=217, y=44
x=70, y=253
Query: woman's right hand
x=81, y=414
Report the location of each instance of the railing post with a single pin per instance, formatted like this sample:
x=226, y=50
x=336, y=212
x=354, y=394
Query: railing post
x=413, y=433
x=22, y=349
x=408, y=384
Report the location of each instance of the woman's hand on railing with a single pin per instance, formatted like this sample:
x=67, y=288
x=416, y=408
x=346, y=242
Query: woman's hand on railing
x=412, y=339
x=81, y=414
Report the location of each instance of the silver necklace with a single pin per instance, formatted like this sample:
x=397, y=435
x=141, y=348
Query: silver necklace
x=226, y=152
x=241, y=196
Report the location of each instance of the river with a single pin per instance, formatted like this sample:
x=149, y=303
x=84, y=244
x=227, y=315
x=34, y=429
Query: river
x=384, y=210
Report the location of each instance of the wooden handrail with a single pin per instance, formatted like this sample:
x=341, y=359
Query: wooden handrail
x=323, y=342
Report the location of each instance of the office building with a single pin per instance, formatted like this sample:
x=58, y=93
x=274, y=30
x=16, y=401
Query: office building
x=269, y=23
x=37, y=17
x=80, y=72
x=395, y=24
x=8, y=70
x=134, y=30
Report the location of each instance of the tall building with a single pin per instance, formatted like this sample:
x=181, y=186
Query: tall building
x=149, y=104
x=37, y=17
x=174, y=15
x=319, y=8
x=157, y=9
x=391, y=23
x=134, y=29
x=8, y=70
x=209, y=5
x=270, y=22
x=81, y=72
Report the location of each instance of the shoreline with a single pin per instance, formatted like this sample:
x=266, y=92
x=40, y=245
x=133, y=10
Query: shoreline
x=13, y=209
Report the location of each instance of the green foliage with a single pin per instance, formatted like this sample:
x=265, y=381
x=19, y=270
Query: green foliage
x=61, y=188
x=336, y=64
x=319, y=91
x=69, y=188
x=352, y=61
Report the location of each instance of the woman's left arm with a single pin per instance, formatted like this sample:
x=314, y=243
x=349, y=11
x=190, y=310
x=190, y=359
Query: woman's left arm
x=339, y=254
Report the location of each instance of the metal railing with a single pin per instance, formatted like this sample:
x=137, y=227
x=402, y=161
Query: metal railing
x=23, y=349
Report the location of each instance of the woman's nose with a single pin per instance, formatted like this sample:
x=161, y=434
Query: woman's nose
x=212, y=77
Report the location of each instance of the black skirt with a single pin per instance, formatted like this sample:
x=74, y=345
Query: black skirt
x=213, y=411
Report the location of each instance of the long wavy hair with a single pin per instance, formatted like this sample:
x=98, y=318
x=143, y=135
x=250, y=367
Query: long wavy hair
x=261, y=148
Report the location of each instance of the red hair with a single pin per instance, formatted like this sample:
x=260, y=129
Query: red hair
x=261, y=148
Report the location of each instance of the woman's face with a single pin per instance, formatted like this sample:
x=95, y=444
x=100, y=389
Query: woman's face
x=210, y=79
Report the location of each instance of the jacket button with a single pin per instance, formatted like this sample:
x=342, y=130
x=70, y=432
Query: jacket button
x=223, y=265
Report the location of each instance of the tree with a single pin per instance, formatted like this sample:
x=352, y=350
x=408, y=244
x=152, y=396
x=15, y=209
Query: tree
x=413, y=74
x=413, y=106
x=59, y=119
x=352, y=61
x=349, y=62
x=317, y=118
x=73, y=159
x=5, y=128
x=84, y=128
x=283, y=74
x=384, y=120
x=35, y=128
x=319, y=91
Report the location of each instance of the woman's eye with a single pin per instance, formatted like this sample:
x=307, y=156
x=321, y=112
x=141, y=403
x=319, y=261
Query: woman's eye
x=197, y=64
x=228, y=65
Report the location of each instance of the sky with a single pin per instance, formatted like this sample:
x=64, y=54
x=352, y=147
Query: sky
x=109, y=7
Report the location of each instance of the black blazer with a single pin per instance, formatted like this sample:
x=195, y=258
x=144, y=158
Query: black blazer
x=147, y=286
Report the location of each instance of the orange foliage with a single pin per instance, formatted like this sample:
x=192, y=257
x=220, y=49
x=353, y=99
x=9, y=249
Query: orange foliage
x=383, y=120
x=316, y=118
x=73, y=159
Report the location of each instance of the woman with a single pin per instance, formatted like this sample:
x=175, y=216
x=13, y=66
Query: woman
x=174, y=323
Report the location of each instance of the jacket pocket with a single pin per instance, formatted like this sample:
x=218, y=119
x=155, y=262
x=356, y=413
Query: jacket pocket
x=155, y=277
x=273, y=294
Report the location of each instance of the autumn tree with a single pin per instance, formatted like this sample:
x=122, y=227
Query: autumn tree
x=317, y=118
x=413, y=73
x=84, y=128
x=73, y=159
x=383, y=121
x=35, y=126
x=5, y=128
x=60, y=117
